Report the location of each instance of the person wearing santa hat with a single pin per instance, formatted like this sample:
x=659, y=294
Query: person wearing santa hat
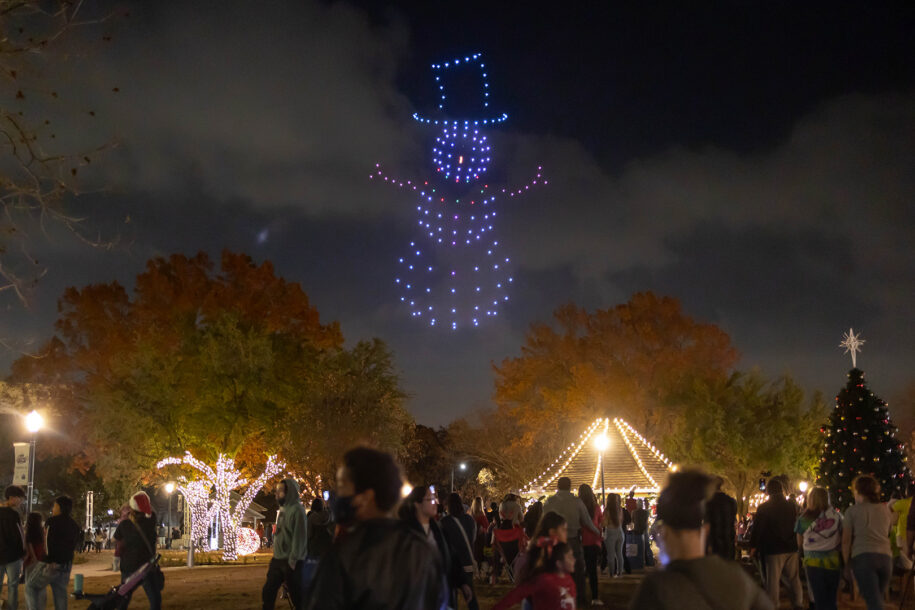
x=137, y=538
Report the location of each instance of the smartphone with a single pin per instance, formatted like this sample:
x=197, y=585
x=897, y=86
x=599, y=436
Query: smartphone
x=326, y=495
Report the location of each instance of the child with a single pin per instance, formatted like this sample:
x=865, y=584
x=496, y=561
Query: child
x=550, y=586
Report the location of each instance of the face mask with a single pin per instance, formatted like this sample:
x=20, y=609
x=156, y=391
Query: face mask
x=344, y=511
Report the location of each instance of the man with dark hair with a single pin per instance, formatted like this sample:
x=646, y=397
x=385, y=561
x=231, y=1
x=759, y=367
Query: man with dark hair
x=12, y=547
x=378, y=562
x=773, y=538
x=721, y=513
x=573, y=510
x=689, y=578
x=64, y=537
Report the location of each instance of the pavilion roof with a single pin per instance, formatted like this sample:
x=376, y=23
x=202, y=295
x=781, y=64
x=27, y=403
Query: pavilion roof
x=630, y=461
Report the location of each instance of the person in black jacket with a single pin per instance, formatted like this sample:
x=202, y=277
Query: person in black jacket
x=376, y=562
x=320, y=529
x=64, y=538
x=773, y=538
x=721, y=514
x=12, y=549
x=459, y=529
x=137, y=535
x=418, y=511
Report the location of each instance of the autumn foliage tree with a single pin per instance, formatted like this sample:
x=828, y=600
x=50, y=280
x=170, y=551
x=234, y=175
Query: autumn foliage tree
x=210, y=361
x=627, y=361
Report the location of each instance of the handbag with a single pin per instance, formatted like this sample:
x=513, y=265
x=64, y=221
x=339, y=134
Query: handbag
x=155, y=575
x=40, y=575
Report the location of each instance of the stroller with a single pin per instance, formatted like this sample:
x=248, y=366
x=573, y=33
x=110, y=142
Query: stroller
x=116, y=598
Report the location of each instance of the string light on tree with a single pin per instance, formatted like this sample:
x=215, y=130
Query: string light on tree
x=454, y=274
x=860, y=438
x=221, y=481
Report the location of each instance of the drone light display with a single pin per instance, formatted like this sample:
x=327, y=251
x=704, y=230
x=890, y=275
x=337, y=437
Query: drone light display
x=454, y=272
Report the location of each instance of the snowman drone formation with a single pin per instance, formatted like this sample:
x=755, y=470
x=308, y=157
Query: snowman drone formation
x=453, y=272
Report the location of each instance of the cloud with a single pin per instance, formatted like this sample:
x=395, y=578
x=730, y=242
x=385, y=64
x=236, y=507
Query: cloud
x=848, y=167
x=277, y=104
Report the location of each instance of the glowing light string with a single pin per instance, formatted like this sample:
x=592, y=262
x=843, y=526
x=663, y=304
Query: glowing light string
x=248, y=541
x=630, y=437
x=635, y=455
x=600, y=456
x=571, y=452
x=222, y=481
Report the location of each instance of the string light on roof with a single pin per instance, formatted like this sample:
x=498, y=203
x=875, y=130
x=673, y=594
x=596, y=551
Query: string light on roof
x=454, y=273
x=635, y=455
x=630, y=437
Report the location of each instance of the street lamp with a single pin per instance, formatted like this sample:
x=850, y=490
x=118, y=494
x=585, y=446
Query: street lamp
x=462, y=466
x=33, y=423
x=803, y=486
x=601, y=443
x=169, y=489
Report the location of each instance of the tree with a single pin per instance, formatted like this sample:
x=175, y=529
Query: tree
x=860, y=438
x=37, y=172
x=196, y=360
x=491, y=440
x=427, y=455
x=743, y=426
x=222, y=479
x=350, y=397
x=626, y=361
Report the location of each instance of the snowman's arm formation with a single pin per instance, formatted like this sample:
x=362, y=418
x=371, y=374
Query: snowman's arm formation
x=537, y=179
x=379, y=176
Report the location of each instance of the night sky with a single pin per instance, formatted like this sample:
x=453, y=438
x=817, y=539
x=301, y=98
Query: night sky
x=755, y=160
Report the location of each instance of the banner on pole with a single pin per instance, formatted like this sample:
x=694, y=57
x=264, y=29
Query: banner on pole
x=21, y=465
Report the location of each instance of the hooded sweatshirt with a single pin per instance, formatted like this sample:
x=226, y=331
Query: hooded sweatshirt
x=706, y=583
x=291, y=539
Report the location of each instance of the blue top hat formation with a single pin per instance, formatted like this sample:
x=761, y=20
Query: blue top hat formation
x=462, y=69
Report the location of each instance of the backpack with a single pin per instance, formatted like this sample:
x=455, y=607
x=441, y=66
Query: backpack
x=823, y=532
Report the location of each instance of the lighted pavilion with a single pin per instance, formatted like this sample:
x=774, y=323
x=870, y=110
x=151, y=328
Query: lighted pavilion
x=630, y=462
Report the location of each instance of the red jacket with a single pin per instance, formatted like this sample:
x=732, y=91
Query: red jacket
x=547, y=592
x=589, y=538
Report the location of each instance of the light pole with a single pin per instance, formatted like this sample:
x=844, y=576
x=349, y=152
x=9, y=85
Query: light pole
x=462, y=466
x=33, y=423
x=169, y=489
x=601, y=443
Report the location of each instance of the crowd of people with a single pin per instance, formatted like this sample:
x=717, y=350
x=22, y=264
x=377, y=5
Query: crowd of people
x=554, y=551
x=378, y=547
x=42, y=552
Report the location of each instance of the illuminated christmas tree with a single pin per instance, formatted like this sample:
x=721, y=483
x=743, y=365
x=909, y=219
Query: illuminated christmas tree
x=860, y=438
x=454, y=272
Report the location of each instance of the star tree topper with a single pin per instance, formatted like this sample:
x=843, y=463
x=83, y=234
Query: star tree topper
x=852, y=343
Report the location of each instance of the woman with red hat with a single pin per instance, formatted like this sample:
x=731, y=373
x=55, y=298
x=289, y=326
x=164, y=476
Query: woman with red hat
x=136, y=536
